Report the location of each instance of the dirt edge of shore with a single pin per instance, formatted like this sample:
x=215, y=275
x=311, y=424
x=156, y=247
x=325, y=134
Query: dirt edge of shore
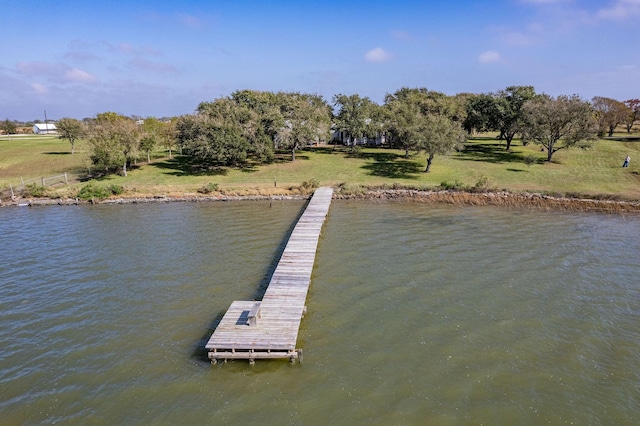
x=460, y=198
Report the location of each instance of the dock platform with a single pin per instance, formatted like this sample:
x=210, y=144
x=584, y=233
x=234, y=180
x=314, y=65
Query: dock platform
x=269, y=328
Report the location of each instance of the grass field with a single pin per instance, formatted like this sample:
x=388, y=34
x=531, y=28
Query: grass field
x=596, y=171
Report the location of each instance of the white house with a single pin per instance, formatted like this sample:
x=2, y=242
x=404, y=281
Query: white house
x=44, y=129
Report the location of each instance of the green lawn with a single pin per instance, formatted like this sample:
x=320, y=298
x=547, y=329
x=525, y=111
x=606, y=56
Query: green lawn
x=595, y=171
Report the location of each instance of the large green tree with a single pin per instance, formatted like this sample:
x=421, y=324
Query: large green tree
x=211, y=138
x=558, y=123
x=168, y=138
x=262, y=119
x=150, y=135
x=420, y=120
x=440, y=135
x=71, y=130
x=355, y=115
x=404, y=117
x=500, y=111
x=609, y=113
x=306, y=119
x=114, y=141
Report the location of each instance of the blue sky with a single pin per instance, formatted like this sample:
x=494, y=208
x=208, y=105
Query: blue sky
x=76, y=58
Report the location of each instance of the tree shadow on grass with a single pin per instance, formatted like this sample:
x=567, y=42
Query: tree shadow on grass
x=391, y=165
x=57, y=153
x=382, y=163
x=332, y=150
x=185, y=166
x=490, y=153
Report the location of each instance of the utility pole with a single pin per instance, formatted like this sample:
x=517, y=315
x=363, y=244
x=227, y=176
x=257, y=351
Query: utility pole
x=46, y=128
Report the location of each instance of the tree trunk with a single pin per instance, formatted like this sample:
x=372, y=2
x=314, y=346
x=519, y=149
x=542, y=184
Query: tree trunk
x=124, y=168
x=429, y=161
x=148, y=157
x=611, y=129
x=293, y=154
x=509, y=139
x=72, y=148
x=549, y=153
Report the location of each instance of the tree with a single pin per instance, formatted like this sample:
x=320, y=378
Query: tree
x=406, y=111
x=114, y=141
x=440, y=135
x=354, y=116
x=168, y=136
x=634, y=112
x=151, y=134
x=305, y=119
x=500, y=112
x=609, y=114
x=71, y=130
x=403, y=123
x=482, y=113
x=560, y=123
x=219, y=142
x=261, y=120
x=419, y=121
x=8, y=126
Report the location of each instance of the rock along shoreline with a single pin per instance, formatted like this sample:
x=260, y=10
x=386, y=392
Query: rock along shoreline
x=460, y=198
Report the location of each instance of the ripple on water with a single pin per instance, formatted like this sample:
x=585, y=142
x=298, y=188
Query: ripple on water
x=417, y=314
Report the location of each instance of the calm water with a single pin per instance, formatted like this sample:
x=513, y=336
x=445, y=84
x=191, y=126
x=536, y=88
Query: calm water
x=418, y=314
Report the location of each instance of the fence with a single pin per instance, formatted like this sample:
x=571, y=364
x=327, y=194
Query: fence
x=43, y=181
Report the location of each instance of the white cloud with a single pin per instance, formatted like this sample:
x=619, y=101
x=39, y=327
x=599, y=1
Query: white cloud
x=377, y=55
x=56, y=72
x=488, y=57
x=40, y=89
x=79, y=76
x=620, y=10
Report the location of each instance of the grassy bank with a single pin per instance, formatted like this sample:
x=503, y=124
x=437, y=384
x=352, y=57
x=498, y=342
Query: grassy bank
x=484, y=162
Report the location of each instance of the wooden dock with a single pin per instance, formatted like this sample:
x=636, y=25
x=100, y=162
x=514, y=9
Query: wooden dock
x=269, y=328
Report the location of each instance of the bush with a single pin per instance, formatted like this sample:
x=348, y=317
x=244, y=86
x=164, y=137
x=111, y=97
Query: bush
x=91, y=191
x=208, y=188
x=351, y=189
x=482, y=184
x=452, y=186
x=34, y=190
x=311, y=184
x=115, y=189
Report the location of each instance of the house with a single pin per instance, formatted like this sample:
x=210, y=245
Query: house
x=44, y=128
x=342, y=137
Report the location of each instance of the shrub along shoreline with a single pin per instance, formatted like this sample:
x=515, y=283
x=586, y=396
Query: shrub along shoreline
x=536, y=201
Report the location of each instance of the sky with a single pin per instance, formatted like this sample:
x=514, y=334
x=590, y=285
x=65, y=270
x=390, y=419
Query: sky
x=77, y=58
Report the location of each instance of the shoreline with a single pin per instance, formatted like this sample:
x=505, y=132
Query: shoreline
x=461, y=198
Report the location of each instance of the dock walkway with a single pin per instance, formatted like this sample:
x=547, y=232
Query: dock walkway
x=269, y=328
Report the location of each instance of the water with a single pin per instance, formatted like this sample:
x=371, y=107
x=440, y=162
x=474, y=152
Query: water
x=418, y=314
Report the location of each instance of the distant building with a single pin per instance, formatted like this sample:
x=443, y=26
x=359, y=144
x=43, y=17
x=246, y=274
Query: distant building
x=44, y=129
